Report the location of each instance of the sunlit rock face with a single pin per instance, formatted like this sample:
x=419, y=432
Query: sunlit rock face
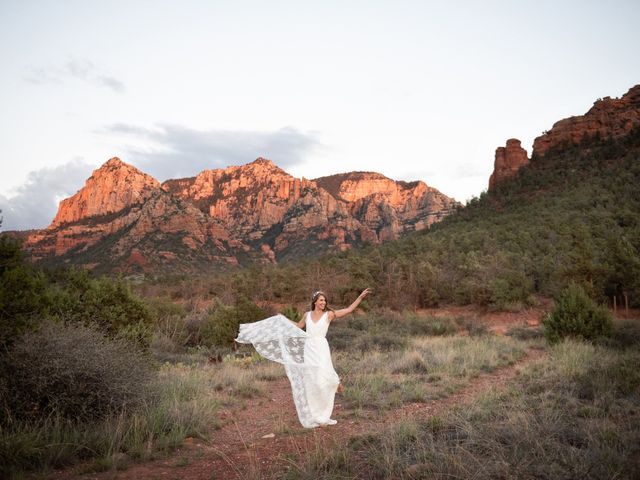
x=261, y=203
x=112, y=187
x=386, y=208
x=608, y=118
x=509, y=160
x=125, y=220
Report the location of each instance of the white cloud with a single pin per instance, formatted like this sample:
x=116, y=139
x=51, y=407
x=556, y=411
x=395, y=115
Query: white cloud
x=34, y=204
x=177, y=151
x=76, y=68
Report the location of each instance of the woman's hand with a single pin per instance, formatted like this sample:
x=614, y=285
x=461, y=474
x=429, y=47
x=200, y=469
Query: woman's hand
x=364, y=293
x=350, y=308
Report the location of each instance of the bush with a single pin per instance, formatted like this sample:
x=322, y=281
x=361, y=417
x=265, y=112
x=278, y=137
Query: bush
x=29, y=295
x=10, y=254
x=24, y=298
x=370, y=332
x=74, y=372
x=108, y=303
x=512, y=288
x=431, y=326
x=292, y=313
x=222, y=325
x=577, y=315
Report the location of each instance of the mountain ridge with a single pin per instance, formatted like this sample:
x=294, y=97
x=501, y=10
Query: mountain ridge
x=123, y=218
x=259, y=213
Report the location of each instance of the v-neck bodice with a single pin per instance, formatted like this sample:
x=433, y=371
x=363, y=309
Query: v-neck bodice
x=319, y=328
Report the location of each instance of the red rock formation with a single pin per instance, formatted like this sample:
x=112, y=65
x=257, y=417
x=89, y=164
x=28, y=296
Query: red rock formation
x=385, y=205
x=508, y=161
x=248, y=198
x=137, y=217
x=256, y=210
x=608, y=118
x=112, y=187
x=340, y=210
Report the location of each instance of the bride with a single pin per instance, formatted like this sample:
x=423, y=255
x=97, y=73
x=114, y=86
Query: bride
x=305, y=355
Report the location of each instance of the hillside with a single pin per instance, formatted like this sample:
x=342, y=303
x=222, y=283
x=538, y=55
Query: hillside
x=570, y=214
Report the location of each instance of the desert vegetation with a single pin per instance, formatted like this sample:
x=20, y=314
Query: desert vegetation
x=100, y=372
x=72, y=398
x=575, y=414
x=568, y=217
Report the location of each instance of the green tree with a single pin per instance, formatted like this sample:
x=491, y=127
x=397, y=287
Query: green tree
x=575, y=314
x=221, y=327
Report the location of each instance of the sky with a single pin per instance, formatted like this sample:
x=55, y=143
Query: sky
x=415, y=90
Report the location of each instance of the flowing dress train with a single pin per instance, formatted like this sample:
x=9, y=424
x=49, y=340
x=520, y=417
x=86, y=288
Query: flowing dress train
x=306, y=358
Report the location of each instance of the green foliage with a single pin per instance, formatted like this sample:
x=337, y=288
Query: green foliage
x=10, y=254
x=108, y=303
x=222, y=325
x=292, y=313
x=28, y=295
x=72, y=371
x=577, y=315
x=162, y=307
x=24, y=296
x=571, y=215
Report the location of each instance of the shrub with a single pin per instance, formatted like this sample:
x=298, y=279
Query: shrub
x=163, y=307
x=512, y=288
x=525, y=333
x=24, y=297
x=292, y=313
x=222, y=325
x=369, y=332
x=108, y=303
x=10, y=253
x=194, y=324
x=435, y=326
x=74, y=372
x=577, y=315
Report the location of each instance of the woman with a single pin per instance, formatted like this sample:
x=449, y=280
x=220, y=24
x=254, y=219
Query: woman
x=305, y=355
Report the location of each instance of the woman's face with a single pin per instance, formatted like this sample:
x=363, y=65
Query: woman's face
x=321, y=302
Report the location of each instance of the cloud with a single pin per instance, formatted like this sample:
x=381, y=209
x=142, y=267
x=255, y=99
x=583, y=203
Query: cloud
x=178, y=151
x=35, y=203
x=76, y=68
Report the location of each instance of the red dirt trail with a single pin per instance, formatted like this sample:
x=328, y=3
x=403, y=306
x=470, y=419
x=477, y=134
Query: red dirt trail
x=239, y=450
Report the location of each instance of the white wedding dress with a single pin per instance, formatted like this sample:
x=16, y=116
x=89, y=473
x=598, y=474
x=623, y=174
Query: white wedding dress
x=307, y=361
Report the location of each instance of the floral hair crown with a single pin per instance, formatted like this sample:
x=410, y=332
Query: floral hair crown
x=316, y=294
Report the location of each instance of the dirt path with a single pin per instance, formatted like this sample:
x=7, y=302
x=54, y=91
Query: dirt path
x=261, y=440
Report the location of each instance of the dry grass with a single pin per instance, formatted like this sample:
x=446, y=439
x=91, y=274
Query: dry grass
x=574, y=415
x=186, y=405
x=432, y=367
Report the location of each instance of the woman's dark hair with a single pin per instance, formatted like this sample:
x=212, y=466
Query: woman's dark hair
x=314, y=299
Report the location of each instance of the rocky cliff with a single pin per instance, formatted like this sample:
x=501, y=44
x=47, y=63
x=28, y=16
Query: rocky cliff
x=248, y=199
x=122, y=220
x=112, y=187
x=608, y=118
x=125, y=220
x=508, y=161
x=387, y=208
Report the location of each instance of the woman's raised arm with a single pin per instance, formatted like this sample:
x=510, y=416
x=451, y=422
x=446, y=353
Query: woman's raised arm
x=346, y=311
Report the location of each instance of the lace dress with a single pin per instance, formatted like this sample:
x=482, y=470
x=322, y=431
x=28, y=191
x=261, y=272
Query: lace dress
x=306, y=358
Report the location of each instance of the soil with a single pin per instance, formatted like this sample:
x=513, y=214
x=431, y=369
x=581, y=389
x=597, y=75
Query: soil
x=263, y=439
